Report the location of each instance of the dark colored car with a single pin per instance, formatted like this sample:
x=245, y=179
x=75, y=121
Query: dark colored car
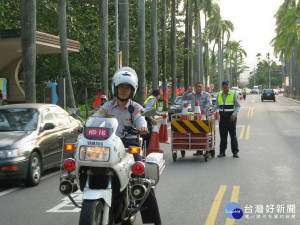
x=31, y=139
x=268, y=94
x=177, y=106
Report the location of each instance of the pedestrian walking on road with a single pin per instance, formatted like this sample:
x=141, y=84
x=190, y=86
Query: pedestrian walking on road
x=229, y=106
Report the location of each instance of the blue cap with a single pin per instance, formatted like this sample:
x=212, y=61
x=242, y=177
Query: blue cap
x=225, y=82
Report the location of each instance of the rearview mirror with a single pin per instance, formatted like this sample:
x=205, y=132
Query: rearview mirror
x=148, y=112
x=49, y=126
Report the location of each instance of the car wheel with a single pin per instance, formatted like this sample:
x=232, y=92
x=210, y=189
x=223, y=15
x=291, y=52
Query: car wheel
x=262, y=100
x=274, y=100
x=34, y=170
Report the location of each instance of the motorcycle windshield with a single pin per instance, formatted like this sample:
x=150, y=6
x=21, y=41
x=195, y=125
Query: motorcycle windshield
x=100, y=128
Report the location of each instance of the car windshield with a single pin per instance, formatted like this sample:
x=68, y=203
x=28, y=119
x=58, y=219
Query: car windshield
x=268, y=91
x=234, y=88
x=180, y=101
x=18, y=119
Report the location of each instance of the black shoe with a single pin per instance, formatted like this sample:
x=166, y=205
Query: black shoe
x=221, y=155
x=198, y=153
x=235, y=155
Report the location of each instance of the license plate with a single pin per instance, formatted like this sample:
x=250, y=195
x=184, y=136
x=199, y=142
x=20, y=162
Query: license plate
x=268, y=94
x=96, y=132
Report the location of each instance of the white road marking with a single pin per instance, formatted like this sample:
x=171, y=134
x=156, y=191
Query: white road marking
x=9, y=191
x=66, y=205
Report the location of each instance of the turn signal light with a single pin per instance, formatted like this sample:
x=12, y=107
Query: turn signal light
x=69, y=164
x=69, y=147
x=8, y=168
x=134, y=150
x=138, y=168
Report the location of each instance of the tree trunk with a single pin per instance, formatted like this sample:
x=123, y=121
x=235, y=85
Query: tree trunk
x=173, y=49
x=190, y=50
x=163, y=50
x=103, y=20
x=28, y=39
x=86, y=102
x=201, y=51
x=219, y=64
x=154, y=45
x=124, y=31
x=186, y=48
x=62, y=21
x=141, y=50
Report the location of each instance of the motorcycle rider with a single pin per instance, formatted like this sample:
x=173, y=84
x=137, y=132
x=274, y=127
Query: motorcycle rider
x=124, y=87
x=244, y=93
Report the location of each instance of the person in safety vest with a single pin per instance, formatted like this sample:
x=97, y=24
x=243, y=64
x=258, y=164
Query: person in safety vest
x=204, y=99
x=244, y=94
x=151, y=102
x=229, y=106
x=124, y=88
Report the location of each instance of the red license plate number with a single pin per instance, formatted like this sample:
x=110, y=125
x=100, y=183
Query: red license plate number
x=96, y=132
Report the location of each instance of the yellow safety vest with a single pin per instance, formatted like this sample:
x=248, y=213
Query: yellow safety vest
x=151, y=96
x=228, y=105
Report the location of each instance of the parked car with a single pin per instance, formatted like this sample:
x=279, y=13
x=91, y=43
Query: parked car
x=177, y=106
x=268, y=94
x=31, y=137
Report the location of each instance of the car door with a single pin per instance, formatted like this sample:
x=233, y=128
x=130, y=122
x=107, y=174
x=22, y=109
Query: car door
x=65, y=128
x=49, y=140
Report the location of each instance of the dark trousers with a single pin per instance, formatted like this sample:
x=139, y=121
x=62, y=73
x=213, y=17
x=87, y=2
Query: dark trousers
x=226, y=126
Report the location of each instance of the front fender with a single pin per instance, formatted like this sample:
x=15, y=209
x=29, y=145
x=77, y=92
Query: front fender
x=92, y=194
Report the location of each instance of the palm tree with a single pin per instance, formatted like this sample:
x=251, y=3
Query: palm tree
x=141, y=50
x=124, y=31
x=64, y=51
x=154, y=45
x=28, y=39
x=163, y=49
x=173, y=49
x=238, y=53
x=103, y=20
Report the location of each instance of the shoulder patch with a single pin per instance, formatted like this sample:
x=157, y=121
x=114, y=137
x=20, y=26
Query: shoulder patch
x=101, y=111
x=137, y=112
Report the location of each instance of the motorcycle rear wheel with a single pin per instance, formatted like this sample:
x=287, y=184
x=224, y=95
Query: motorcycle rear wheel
x=91, y=212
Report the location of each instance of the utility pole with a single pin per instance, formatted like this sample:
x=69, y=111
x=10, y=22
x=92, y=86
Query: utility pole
x=117, y=33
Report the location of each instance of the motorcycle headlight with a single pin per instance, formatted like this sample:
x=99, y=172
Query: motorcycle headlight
x=9, y=153
x=94, y=153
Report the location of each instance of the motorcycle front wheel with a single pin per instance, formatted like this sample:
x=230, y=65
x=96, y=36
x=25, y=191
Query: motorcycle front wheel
x=91, y=212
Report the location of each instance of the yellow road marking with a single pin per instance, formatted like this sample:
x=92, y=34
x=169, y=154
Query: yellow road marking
x=215, y=206
x=248, y=132
x=242, y=132
x=234, y=198
x=251, y=111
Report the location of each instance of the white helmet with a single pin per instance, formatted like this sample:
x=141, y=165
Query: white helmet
x=125, y=75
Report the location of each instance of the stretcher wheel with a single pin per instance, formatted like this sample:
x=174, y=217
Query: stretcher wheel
x=205, y=158
x=212, y=152
x=182, y=153
x=174, y=156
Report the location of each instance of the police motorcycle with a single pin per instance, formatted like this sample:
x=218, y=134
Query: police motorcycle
x=113, y=184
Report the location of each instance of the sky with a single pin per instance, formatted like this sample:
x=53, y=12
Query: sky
x=254, y=26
